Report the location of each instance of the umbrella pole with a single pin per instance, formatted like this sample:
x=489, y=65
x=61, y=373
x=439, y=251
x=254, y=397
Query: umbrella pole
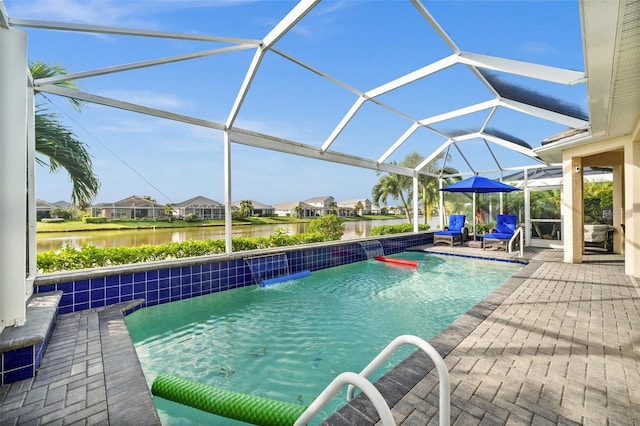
x=474, y=216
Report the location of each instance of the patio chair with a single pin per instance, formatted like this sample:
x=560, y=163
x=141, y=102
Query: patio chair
x=452, y=233
x=505, y=228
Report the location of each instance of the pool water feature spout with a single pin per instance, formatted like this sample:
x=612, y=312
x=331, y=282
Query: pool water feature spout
x=268, y=266
x=372, y=248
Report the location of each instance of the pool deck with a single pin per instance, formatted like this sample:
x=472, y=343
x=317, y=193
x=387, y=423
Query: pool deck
x=556, y=344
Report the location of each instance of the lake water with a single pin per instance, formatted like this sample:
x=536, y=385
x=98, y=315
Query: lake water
x=137, y=237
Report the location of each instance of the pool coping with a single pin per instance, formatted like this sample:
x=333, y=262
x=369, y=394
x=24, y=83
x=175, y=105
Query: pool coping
x=397, y=383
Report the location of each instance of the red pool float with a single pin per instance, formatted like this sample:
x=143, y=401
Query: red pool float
x=397, y=261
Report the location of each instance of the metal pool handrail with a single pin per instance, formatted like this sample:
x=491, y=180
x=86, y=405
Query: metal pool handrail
x=517, y=234
x=443, y=373
x=361, y=381
x=330, y=391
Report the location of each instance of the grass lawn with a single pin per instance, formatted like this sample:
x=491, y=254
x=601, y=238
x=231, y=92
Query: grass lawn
x=79, y=225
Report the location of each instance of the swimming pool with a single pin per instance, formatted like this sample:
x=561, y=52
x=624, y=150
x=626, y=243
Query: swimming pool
x=289, y=340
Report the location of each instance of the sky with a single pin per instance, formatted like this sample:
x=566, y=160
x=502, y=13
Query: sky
x=360, y=44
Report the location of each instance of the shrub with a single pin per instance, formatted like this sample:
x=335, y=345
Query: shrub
x=396, y=229
x=191, y=217
x=64, y=214
x=330, y=227
x=88, y=256
x=91, y=219
x=52, y=220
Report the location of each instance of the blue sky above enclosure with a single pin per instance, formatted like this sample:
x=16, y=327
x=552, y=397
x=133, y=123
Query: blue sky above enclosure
x=360, y=44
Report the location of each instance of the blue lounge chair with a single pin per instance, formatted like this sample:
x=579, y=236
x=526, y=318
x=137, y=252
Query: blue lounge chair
x=505, y=228
x=452, y=233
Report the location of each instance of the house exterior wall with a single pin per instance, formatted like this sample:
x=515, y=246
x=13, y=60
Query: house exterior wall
x=626, y=200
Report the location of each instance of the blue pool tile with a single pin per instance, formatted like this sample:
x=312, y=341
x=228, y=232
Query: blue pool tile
x=163, y=273
x=164, y=283
x=113, y=280
x=39, y=350
x=126, y=290
x=81, y=306
x=126, y=297
x=152, y=275
x=152, y=285
x=19, y=374
x=164, y=294
x=185, y=270
x=113, y=292
x=66, y=300
x=126, y=279
x=45, y=288
x=175, y=272
x=18, y=358
x=139, y=287
x=97, y=294
x=65, y=309
x=152, y=297
x=139, y=277
x=81, y=285
x=98, y=303
x=98, y=282
x=206, y=267
x=65, y=287
x=81, y=297
x=112, y=300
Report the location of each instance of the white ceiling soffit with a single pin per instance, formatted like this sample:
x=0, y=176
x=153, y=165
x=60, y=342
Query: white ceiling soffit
x=611, y=38
x=602, y=39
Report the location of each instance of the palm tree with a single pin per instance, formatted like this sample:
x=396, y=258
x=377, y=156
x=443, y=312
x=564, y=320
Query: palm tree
x=333, y=207
x=359, y=207
x=60, y=145
x=393, y=186
x=246, y=208
x=428, y=185
x=168, y=211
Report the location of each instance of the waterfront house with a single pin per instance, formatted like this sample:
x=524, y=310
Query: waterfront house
x=257, y=208
x=133, y=207
x=353, y=204
x=203, y=207
x=325, y=204
x=296, y=209
x=43, y=209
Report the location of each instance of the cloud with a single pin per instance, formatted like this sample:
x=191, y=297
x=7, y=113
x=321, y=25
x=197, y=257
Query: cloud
x=147, y=98
x=538, y=48
x=108, y=12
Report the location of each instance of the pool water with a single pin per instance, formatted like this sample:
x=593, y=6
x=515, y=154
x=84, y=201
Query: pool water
x=288, y=341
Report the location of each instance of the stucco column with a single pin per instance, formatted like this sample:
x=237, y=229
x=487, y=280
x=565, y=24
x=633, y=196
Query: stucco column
x=618, y=208
x=632, y=208
x=573, y=209
x=13, y=176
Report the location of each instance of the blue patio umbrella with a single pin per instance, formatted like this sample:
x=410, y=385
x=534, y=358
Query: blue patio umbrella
x=478, y=185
